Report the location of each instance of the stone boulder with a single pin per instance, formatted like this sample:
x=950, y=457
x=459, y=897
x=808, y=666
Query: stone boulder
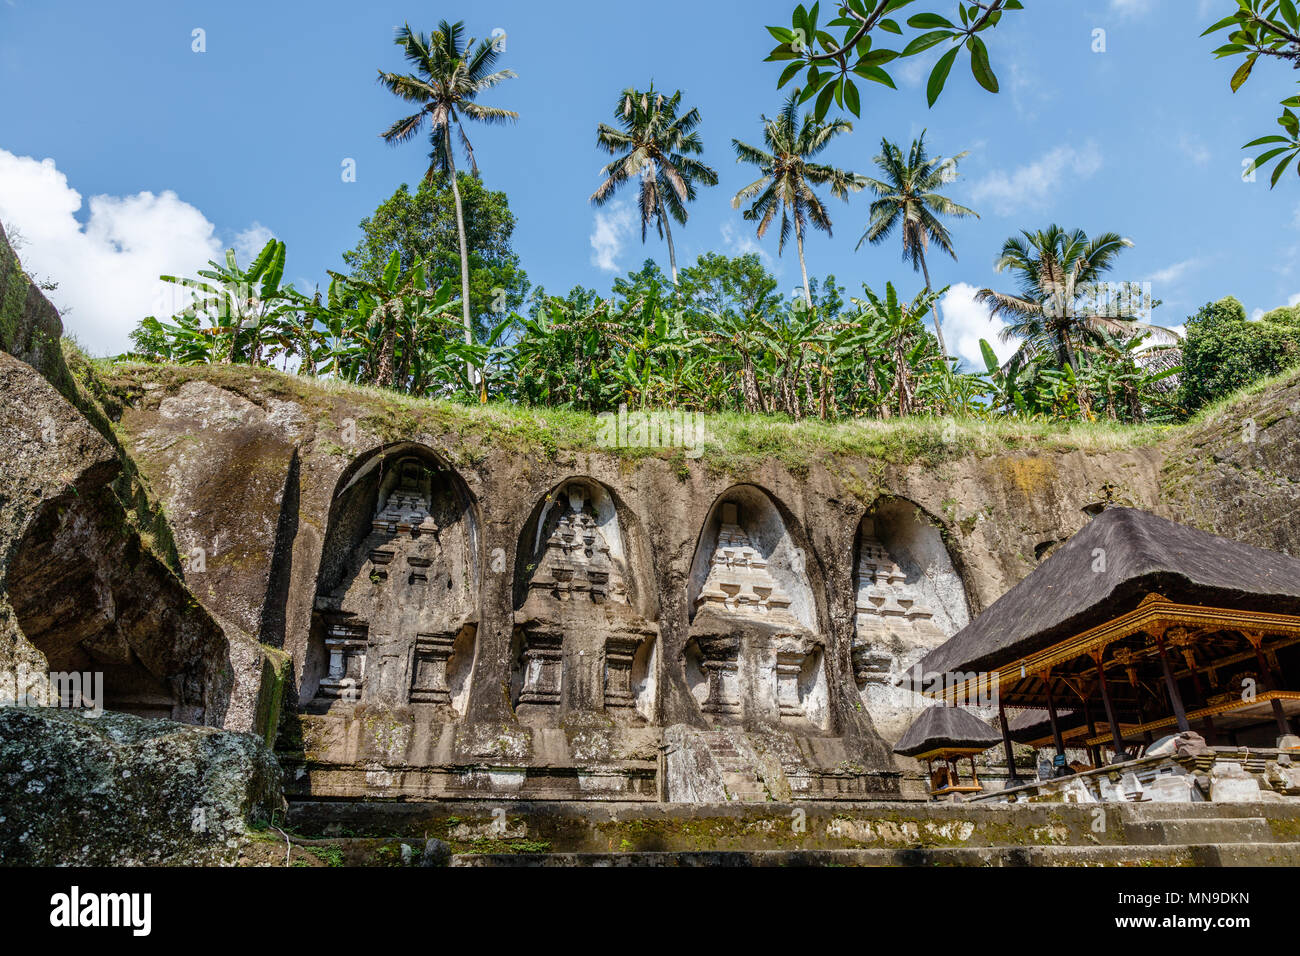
x=121, y=790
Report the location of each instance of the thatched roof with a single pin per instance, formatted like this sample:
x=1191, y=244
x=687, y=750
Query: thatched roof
x=1035, y=723
x=1033, y=718
x=943, y=726
x=1064, y=596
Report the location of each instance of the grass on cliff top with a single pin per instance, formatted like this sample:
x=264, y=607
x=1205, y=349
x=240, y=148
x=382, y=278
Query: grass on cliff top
x=730, y=441
x=1227, y=406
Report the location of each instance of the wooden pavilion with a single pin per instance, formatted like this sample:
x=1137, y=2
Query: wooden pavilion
x=947, y=734
x=1135, y=628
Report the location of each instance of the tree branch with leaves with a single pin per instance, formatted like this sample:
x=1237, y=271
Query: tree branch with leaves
x=831, y=67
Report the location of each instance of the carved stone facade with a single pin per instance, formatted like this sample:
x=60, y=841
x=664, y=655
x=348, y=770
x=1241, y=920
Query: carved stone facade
x=581, y=648
x=901, y=577
x=887, y=611
x=398, y=627
x=753, y=660
x=739, y=581
x=411, y=695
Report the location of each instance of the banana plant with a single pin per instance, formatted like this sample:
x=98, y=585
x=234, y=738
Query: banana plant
x=397, y=317
x=1006, y=381
x=907, y=342
x=244, y=307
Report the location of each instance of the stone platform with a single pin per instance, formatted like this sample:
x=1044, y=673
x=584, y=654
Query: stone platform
x=801, y=834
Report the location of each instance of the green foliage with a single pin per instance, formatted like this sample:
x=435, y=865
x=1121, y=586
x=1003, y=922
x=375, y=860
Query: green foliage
x=831, y=66
x=450, y=73
x=908, y=200
x=397, y=331
x=421, y=228
x=1084, y=349
x=235, y=314
x=1269, y=29
x=1224, y=351
x=725, y=341
x=728, y=286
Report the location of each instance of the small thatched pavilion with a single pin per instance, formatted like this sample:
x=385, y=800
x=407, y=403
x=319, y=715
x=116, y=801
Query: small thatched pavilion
x=1136, y=627
x=947, y=733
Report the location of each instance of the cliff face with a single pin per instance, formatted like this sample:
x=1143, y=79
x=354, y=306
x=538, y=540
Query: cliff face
x=85, y=580
x=474, y=600
x=1238, y=473
x=250, y=466
x=254, y=469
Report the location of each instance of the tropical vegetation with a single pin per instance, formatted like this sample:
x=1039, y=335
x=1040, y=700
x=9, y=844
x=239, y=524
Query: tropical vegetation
x=435, y=301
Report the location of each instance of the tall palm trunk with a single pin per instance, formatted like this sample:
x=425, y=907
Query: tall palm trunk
x=803, y=267
x=938, y=328
x=668, y=234
x=464, y=256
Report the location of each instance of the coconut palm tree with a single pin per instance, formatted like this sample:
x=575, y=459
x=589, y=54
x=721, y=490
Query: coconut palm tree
x=1056, y=308
x=908, y=199
x=788, y=177
x=654, y=145
x=447, y=79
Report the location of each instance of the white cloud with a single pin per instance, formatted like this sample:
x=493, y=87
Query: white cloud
x=108, y=268
x=742, y=243
x=966, y=321
x=251, y=241
x=1032, y=185
x=609, y=233
x=1171, y=274
x=1294, y=300
x=1194, y=148
x=1131, y=8
x=1295, y=221
x=1029, y=91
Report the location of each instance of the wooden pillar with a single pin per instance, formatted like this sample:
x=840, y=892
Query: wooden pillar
x=1051, y=713
x=1014, y=779
x=1117, y=740
x=1211, y=735
x=1094, y=752
x=1171, y=685
x=1266, y=678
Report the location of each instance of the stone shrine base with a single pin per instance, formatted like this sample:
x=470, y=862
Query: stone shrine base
x=401, y=754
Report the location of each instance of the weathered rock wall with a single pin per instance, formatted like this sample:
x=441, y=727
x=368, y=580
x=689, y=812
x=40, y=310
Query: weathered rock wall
x=1238, y=473
x=249, y=463
x=87, y=582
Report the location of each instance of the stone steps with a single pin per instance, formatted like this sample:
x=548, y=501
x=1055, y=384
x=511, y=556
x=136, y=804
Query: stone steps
x=1270, y=854
x=742, y=783
x=1205, y=830
x=771, y=834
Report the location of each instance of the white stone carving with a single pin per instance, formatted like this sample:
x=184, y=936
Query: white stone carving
x=739, y=581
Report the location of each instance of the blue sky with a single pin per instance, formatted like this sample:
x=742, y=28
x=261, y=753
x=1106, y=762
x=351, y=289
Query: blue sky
x=124, y=153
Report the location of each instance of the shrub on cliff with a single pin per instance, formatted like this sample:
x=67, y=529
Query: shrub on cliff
x=1225, y=351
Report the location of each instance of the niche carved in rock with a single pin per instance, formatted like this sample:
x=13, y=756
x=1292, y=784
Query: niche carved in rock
x=754, y=654
x=397, y=625
x=582, y=644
